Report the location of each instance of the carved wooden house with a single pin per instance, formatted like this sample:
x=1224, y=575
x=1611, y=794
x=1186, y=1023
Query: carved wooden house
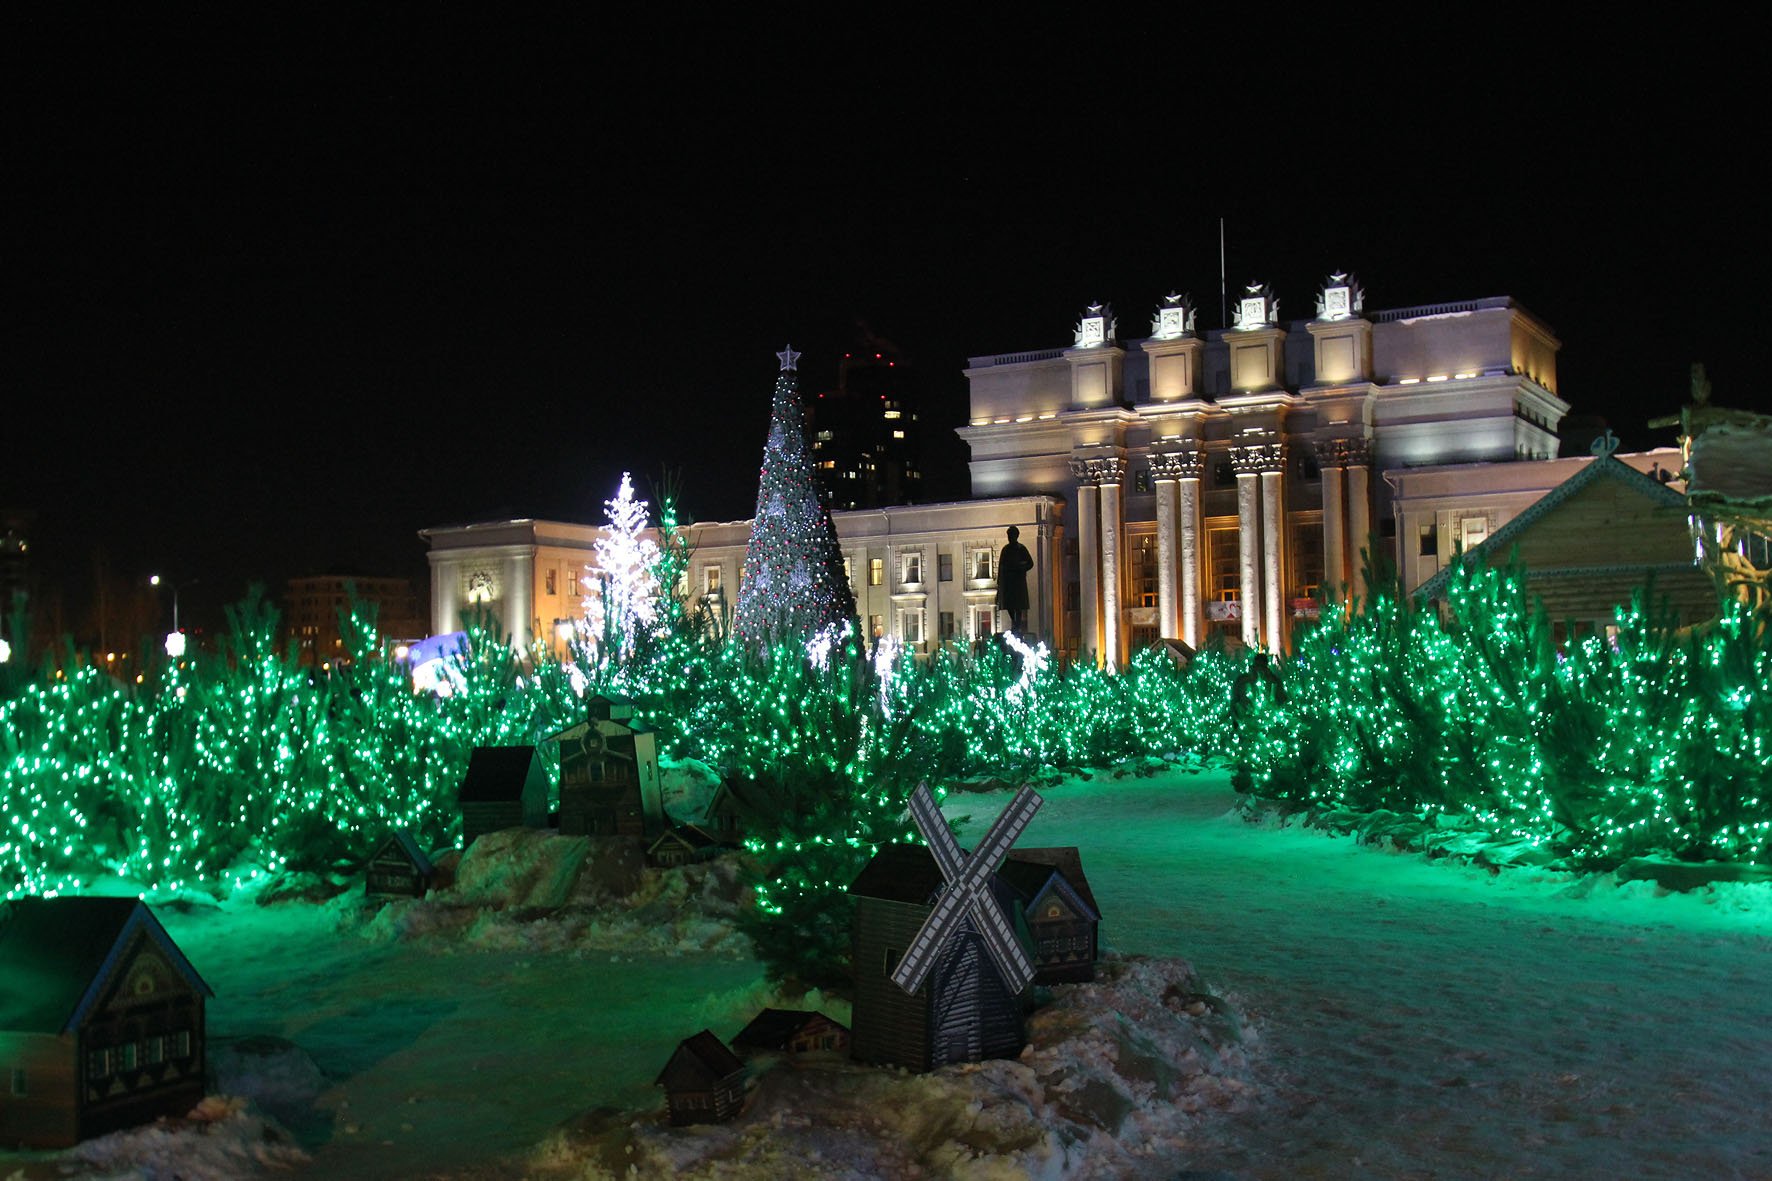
x=399, y=869
x=791, y=1031
x=703, y=1081
x=101, y=1021
x=505, y=787
x=679, y=845
x=609, y=783
x=965, y=1011
x=1062, y=917
x=728, y=812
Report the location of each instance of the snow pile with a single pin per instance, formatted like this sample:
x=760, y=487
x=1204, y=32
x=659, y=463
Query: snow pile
x=1116, y=1079
x=687, y=787
x=222, y=1139
x=529, y=890
x=273, y=1072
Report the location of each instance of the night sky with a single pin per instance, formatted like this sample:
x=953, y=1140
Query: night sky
x=280, y=295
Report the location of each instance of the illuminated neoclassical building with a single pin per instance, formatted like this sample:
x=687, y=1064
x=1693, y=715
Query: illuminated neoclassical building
x=1189, y=485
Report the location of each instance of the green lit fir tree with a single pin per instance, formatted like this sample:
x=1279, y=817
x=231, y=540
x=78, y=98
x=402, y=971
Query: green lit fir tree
x=794, y=586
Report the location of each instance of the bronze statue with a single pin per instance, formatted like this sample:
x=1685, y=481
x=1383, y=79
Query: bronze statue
x=1013, y=565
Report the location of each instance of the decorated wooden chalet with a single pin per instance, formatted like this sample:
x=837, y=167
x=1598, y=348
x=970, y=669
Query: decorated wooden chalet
x=1061, y=913
x=1593, y=540
x=791, y=1031
x=941, y=948
x=679, y=845
x=609, y=784
x=399, y=869
x=728, y=811
x=703, y=1081
x=101, y=1021
x=505, y=787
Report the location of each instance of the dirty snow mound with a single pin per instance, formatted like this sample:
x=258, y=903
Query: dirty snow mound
x=222, y=1139
x=1117, y=1078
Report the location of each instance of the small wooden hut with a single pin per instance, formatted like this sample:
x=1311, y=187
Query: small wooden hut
x=791, y=1031
x=101, y=1021
x=1062, y=917
x=703, y=1081
x=505, y=787
x=399, y=869
x=609, y=780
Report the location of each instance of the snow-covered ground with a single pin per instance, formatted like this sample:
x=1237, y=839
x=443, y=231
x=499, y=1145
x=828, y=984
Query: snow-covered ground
x=1413, y=1018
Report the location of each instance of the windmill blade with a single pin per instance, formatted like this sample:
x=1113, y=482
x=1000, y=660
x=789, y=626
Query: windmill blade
x=1001, y=942
x=919, y=957
x=934, y=828
x=996, y=843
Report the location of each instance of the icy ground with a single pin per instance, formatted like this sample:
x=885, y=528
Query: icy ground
x=1415, y=1018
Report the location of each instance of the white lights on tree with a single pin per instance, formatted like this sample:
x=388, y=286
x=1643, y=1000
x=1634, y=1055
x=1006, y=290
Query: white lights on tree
x=623, y=590
x=5, y=651
x=175, y=645
x=886, y=654
x=818, y=648
x=1033, y=662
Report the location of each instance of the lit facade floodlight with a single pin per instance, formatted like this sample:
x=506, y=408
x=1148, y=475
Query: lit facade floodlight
x=175, y=645
x=5, y=651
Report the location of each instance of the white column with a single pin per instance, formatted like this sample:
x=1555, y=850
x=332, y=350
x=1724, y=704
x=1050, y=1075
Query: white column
x=1166, y=617
x=1089, y=582
x=1273, y=526
x=1334, y=555
x=1110, y=573
x=1359, y=520
x=445, y=586
x=1192, y=537
x=1249, y=557
x=519, y=596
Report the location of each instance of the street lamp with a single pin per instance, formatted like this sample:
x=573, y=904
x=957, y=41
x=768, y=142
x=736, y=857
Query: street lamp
x=175, y=639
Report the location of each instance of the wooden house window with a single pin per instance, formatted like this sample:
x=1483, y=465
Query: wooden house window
x=98, y=1064
x=156, y=1050
x=890, y=960
x=126, y=1056
x=181, y=1044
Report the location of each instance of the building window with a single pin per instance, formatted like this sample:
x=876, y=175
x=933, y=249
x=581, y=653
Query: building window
x=1144, y=570
x=911, y=568
x=1141, y=480
x=710, y=580
x=944, y=567
x=181, y=1044
x=1307, y=561
x=1430, y=541
x=1472, y=531
x=553, y=586
x=948, y=627
x=981, y=621
x=910, y=625
x=98, y=1064
x=981, y=565
x=876, y=571
x=876, y=626
x=126, y=1056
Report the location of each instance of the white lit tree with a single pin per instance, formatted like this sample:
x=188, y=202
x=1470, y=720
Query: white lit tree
x=621, y=587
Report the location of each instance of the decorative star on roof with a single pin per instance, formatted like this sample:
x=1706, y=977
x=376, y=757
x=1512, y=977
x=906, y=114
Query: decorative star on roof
x=789, y=359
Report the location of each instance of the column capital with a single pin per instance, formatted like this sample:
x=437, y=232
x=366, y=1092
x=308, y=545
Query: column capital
x=1185, y=463
x=1099, y=469
x=1268, y=455
x=1354, y=452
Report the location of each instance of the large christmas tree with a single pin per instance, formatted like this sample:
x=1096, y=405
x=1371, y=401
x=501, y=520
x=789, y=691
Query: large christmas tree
x=794, y=586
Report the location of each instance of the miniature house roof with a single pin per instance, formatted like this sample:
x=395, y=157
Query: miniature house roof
x=687, y=835
x=1030, y=871
x=610, y=707
x=908, y=873
x=500, y=773
x=403, y=840
x=773, y=1029
x=1604, y=467
x=701, y=1062
x=56, y=953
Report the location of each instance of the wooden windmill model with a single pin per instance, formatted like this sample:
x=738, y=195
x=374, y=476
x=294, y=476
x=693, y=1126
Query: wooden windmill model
x=941, y=966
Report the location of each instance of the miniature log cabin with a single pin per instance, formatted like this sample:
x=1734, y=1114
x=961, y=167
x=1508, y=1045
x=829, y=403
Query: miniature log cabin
x=791, y=1031
x=609, y=784
x=399, y=869
x=964, y=1011
x=101, y=1021
x=505, y=787
x=727, y=811
x=703, y=1081
x=680, y=844
x=1061, y=913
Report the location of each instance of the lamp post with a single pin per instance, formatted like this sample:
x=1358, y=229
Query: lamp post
x=175, y=639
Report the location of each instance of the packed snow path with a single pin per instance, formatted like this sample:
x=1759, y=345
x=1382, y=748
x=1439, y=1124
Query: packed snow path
x=1424, y=1019
x=1417, y=1019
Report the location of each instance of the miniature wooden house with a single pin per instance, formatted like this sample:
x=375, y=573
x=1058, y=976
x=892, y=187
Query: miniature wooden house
x=703, y=1081
x=609, y=784
x=101, y=1021
x=505, y=787
x=1061, y=913
x=726, y=813
x=679, y=845
x=791, y=1031
x=964, y=1011
x=399, y=869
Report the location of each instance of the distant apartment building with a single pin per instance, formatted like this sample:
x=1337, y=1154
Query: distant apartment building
x=865, y=434
x=315, y=605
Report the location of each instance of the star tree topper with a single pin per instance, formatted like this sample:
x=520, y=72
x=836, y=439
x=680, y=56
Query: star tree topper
x=789, y=359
